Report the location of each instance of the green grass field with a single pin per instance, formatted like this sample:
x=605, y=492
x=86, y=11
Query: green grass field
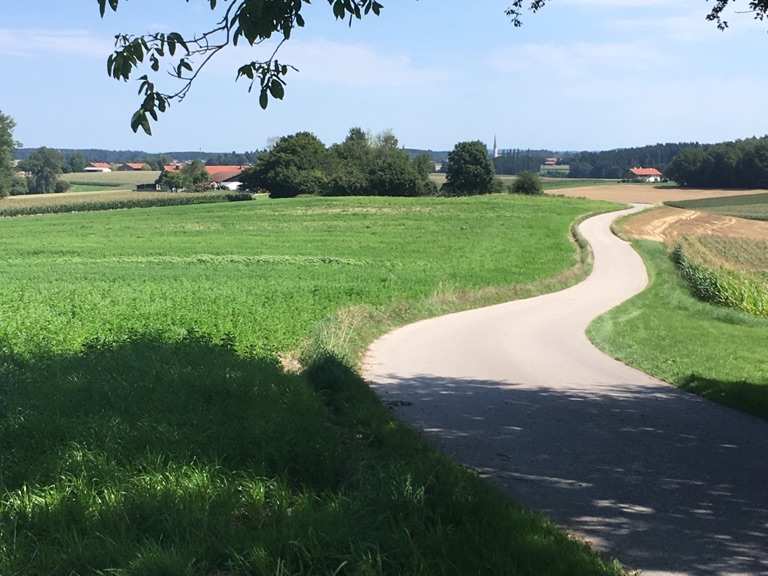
x=752, y=206
x=146, y=427
x=127, y=180
x=717, y=352
x=98, y=187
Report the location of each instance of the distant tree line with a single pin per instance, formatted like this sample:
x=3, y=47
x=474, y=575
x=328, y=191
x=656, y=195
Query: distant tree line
x=88, y=155
x=615, y=163
x=516, y=161
x=611, y=164
x=738, y=164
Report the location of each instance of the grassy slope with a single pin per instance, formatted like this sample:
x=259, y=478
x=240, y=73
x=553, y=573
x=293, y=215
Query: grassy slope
x=665, y=331
x=753, y=206
x=171, y=443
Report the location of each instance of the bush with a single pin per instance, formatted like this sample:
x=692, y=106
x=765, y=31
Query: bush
x=351, y=181
x=527, y=183
x=469, y=171
x=19, y=186
x=61, y=186
x=239, y=197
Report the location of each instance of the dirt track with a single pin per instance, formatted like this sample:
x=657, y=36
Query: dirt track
x=664, y=480
x=644, y=194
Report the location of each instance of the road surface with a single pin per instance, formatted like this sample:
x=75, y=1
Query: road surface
x=661, y=479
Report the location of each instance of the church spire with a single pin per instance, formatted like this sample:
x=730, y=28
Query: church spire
x=495, y=147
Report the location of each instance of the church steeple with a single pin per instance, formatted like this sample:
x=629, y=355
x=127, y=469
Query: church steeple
x=495, y=147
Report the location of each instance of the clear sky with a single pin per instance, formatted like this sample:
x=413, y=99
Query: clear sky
x=581, y=74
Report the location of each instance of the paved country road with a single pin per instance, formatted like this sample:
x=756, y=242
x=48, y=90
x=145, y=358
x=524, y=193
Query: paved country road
x=665, y=481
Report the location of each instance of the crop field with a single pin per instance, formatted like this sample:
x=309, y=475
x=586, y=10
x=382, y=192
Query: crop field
x=739, y=254
x=752, y=206
x=711, y=350
x=106, y=199
x=119, y=179
x=146, y=426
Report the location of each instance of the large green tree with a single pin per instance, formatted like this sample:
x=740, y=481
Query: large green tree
x=7, y=145
x=295, y=165
x=260, y=22
x=44, y=166
x=470, y=170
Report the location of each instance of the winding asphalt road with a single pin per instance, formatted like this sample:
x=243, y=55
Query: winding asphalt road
x=661, y=479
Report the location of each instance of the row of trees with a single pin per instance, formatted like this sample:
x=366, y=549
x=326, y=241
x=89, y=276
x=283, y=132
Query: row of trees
x=361, y=165
x=739, y=164
x=366, y=165
x=85, y=155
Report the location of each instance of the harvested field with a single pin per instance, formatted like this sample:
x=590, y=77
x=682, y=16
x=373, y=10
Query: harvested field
x=645, y=193
x=669, y=224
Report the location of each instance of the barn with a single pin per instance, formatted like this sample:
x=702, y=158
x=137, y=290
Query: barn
x=638, y=174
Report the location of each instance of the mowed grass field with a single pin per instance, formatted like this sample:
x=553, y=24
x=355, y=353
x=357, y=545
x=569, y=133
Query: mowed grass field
x=147, y=428
x=666, y=331
x=124, y=180
x=752, y=206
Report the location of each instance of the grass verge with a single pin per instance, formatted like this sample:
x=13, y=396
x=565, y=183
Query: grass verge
x=667, y=332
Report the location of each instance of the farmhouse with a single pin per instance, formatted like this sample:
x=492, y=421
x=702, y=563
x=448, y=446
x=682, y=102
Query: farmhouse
x=132, y=167
x=99, y=167
x=226, y=176
x=638, y=174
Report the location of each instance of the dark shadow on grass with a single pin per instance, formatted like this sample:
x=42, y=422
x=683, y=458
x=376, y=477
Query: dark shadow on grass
x=152, y=457
x=664, y=480
x=745, y=396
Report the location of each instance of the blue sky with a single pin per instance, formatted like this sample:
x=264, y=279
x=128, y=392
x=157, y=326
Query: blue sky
x=581, y=74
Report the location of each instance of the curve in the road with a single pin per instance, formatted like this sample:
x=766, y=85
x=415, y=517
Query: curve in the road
x=666, y=481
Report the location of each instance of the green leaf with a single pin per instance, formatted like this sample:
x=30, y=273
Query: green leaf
x=276, y=89
x=263, y=99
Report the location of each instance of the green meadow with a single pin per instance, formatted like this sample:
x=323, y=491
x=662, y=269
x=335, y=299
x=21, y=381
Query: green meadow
x=147, y=426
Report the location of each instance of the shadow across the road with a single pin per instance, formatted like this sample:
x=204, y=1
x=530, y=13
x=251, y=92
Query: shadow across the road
x=664, y=480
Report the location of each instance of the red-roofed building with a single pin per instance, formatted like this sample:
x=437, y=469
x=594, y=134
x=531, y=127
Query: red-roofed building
x=638, y=174
x=226, y=176
x=98, y=167
x=132, y=167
